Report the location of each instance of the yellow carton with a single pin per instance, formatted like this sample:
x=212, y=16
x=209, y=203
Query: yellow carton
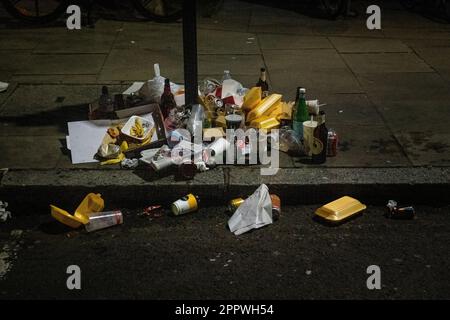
x=90, y=204
x=340, y=209
x=265, y=122
x=252, y=98
x=267, y=105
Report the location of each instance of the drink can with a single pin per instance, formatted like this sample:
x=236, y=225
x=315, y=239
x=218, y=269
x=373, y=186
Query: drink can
x=276, y=206
x=332, y=143
x=184, y=205
x=234, y=204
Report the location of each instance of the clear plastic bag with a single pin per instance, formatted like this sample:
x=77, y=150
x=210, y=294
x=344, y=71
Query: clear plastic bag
x=153, y=89
x=195, y=122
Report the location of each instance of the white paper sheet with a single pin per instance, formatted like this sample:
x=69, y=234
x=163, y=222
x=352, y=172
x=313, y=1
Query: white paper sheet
x=85, y=137
x=254, y=213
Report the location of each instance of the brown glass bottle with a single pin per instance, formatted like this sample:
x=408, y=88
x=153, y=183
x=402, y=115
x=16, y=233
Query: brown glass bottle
x=262, y=82
x=167, y=100
x=320, y=140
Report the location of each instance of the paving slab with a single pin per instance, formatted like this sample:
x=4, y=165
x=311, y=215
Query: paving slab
x=44, y=110
x=137, y=65
x=283, y=29
x=57, y=79
x=408, y=20
x=364, y=146
x=383, y=87
x=425, y=147
x=76, y=41
x=226, y=42
x=63, y=64
x=438, y=58
x=292, y=42
x=401, y=114
x=385, y=63
x=19, y=39
x=239, y=64
x=418, y=33
x=349, y=109
x=347, y=28
x=263, y=16
x=233, y=16
x=13, y=60
x=149, y=36
x=370, y=45
x=322, y=71
x=427, y=43
x=22, y=152
x=51, y=101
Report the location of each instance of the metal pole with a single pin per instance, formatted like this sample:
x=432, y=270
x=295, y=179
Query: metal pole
x=190, y=51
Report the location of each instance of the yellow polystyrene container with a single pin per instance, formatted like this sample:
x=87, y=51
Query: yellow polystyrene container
x=276, y=111
x=252, y=98
x=267, y=105
x=90, y=204
x=265, y=122
x=340, y=209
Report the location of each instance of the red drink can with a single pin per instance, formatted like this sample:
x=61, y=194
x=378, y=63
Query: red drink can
x=332, y=143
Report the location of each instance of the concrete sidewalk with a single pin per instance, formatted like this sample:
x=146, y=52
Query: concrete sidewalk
x=387, y=92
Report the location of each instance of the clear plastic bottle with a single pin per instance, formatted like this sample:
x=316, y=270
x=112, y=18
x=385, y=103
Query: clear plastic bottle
x=226, y=75
x=102, y=220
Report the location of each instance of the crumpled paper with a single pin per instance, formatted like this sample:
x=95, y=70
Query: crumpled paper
x=3, y=86
x=4, y=215
x=129, y=163
x=254, y=213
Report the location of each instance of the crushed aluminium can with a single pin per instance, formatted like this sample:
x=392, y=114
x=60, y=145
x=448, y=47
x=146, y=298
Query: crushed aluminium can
x=234, y=204
x=404, y=213
x=276, y=206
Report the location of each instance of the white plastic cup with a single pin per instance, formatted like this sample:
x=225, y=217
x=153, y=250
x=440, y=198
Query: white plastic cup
x=184, y=205
x=308, y=135
x=102, y=220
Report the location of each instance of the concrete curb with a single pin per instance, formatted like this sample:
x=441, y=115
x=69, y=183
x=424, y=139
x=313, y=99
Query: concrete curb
x=30, y=191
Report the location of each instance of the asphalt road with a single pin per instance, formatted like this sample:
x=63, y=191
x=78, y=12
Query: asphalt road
x=196, y=257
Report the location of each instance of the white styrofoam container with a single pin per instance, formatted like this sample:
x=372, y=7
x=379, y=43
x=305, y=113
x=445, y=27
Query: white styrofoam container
x=146, y=124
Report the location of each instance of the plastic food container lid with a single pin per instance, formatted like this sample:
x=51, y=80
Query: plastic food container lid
x=340, y=209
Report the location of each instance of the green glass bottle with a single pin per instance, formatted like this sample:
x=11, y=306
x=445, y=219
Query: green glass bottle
x=300, y=114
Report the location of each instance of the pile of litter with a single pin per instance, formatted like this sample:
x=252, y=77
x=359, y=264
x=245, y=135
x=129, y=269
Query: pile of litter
x=149, y=125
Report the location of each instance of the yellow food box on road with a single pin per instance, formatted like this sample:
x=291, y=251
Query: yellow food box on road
x=340, y=209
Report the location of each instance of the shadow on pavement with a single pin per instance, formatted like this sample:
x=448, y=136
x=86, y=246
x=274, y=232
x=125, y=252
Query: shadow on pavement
x=59, y=116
